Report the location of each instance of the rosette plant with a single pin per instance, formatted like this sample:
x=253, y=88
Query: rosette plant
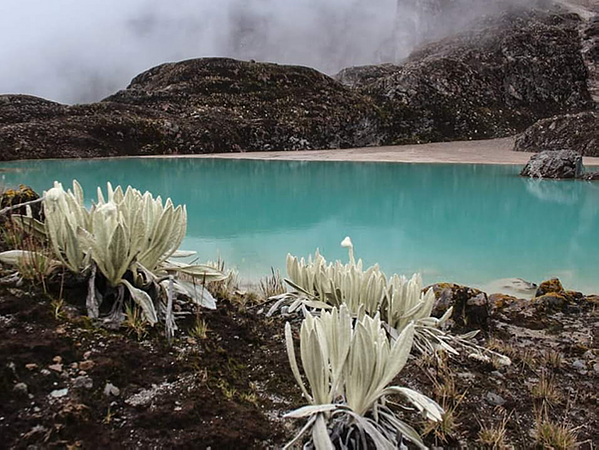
x=349, y=366
x=320, y=286
x=127, y=238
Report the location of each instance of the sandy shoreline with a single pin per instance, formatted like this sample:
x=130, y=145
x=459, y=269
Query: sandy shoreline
x=492, y=151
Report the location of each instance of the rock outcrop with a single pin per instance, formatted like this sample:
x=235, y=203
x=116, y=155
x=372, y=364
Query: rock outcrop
x=493, y=80
x=470, y=305
x=196, y=106
x=554, y=164
x=576, y=132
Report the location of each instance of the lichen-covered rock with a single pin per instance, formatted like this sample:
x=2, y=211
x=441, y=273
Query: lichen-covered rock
x=551, y=301
x=576, y=132
x=13, y=197
x=498, y=301
x=495, y=79
x=470, y=305
x=552, y=285
x=553, y=164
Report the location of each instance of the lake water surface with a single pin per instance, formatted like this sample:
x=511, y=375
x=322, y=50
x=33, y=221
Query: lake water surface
x=469, y=224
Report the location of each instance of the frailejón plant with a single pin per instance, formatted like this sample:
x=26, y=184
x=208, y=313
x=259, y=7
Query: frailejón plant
x=349, y=366
x=318, y=285
x=129, y=238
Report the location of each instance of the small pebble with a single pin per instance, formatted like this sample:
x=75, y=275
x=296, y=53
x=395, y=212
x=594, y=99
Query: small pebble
x=59, y=393
x=45, y=372
x=31, y=366
x=57, y=359
x=86, y=365
x=87, y=354
x=21, y=388
x=56, y=367
x=494, y=399
x=83, y=382
x=111, y=389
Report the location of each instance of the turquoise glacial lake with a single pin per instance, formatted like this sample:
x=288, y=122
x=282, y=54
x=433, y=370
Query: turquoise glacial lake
x=470, y=224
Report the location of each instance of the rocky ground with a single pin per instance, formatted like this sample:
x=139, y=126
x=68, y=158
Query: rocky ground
x=67, y=383
x=496, y=78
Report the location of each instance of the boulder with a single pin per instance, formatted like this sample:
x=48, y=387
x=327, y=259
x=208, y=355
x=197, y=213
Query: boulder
x=551, y=296
x=554, y=285
x=13, y=197
x=554, y=164
x=576, y=132
x=470, y=305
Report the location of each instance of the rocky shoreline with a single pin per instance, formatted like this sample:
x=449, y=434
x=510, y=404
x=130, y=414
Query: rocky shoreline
x=495, y=79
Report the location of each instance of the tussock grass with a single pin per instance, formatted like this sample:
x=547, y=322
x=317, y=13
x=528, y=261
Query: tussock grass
x=134, y=322
x=553, y=359
x=227, y=287
x=553, y=435
x=493, y=436
x=546, y=390
x=271, y=285
x=200, y=329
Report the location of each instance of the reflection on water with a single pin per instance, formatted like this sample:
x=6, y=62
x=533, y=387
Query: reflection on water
x=564, y=192
x=462, y=223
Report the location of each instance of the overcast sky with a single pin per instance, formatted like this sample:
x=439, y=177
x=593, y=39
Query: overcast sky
x=82, y=50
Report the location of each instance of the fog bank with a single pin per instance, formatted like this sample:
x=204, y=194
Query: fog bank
x=76, y=51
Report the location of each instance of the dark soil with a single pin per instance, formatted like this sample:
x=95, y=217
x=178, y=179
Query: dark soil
x=230, y=389
x=225, y=391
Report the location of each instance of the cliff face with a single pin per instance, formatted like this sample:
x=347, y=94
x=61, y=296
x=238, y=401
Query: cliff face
x=495, y=79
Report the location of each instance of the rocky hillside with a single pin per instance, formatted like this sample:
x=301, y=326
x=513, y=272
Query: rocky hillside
x=195, y=106
x=492, y=80
x=497, y=78
x=576, y=132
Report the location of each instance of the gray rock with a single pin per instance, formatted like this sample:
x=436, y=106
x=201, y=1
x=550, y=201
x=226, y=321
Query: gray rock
x=576, y=132
x=590, y=176
x=21, y=388
x=554, y=164
x=579, y=365
x=59, y=393
x=111, y=390
x=83, y=382
x=495, y=399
